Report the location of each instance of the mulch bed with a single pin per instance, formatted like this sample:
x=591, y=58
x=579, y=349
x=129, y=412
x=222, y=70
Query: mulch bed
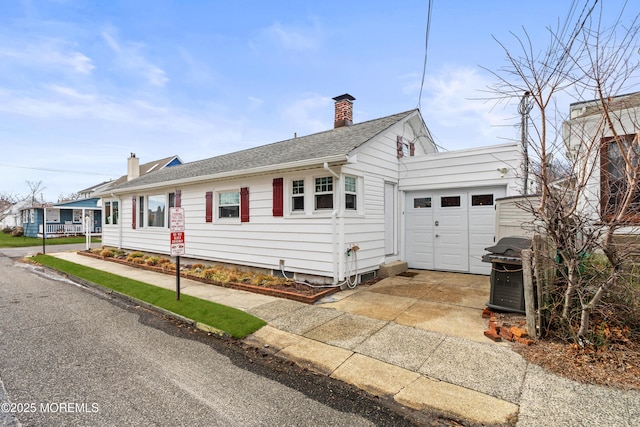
x=293, y=291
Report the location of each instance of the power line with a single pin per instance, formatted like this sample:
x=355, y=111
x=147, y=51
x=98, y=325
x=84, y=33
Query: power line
x=426, y=50
x=55, y=170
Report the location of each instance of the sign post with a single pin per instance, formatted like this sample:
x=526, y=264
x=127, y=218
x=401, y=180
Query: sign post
x=176, y=229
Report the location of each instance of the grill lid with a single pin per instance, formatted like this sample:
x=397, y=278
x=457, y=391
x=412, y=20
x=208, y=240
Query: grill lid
x=510, y=246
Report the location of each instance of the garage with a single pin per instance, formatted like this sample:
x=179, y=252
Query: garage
x=449, y=229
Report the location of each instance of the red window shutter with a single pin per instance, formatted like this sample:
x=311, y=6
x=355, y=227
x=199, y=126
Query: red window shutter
x=412, y=149
x=178, y=200
x=278, y=197
x=244, y=204
x=209, y=206
x=133, y=212
x=399, y=145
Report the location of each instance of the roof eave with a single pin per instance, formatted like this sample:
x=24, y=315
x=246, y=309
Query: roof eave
x=332, y=160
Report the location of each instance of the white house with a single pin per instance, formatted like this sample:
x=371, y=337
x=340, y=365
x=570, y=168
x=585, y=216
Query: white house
x=588, y=139
x=328, y=206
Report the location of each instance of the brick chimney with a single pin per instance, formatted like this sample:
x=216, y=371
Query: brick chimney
x=133, y=167
x=344, y=111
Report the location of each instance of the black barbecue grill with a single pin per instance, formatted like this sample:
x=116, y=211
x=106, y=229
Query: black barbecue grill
x=507, y=288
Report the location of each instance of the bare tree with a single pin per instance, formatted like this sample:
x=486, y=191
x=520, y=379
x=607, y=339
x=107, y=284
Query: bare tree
x=6, y=201
x=35, y=188
x=584, y=204
x=68, y=197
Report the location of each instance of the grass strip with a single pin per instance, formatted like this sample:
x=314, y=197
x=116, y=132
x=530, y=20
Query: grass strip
x=235, y=322
x=9, y=241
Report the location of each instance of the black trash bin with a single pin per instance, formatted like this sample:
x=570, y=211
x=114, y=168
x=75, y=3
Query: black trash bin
x=507, y=287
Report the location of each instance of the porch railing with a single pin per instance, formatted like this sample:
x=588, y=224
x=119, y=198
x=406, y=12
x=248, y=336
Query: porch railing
x=64, y=229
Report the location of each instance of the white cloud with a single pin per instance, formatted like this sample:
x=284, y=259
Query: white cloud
x=292, y=38
x=298, y=39
x=454, y=107
x=305, y=112
x=49, y=53
x=129, y=56
x=255, y=103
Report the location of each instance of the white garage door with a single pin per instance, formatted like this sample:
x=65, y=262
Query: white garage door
x=449, y=229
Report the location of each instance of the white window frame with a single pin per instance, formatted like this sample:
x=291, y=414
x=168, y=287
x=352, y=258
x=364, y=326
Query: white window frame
x=293, y=194
x=317, y=193
x=76, y=216
x=219, y=205
x=164, y=214
x=109, y=218
x=350, y=192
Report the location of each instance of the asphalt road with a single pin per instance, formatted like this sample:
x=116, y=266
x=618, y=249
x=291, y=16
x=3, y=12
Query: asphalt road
x=71, y=356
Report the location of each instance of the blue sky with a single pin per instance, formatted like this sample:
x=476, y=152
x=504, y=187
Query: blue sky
x=85, y=83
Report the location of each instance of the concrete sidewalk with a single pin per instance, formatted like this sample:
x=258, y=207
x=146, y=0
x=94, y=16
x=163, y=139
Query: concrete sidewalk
x=418, y=340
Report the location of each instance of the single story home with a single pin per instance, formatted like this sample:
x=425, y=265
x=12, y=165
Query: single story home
x=63, y=219
x=327, y=207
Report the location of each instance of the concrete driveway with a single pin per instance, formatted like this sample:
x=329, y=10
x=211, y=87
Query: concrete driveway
x=449, y=303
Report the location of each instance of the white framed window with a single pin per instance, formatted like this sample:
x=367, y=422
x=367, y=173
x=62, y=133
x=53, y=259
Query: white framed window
x=156, y=210
x=350, y=193
x=53, y=215
x=77, y=215
x=297, y=195
x=323, y=193
x=229, y=204
x=140, y=211
x=111, y=212
x=32, y=215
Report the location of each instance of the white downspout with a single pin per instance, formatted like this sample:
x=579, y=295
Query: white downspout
x=334, y=228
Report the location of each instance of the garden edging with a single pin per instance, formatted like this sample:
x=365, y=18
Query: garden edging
x=307, y=299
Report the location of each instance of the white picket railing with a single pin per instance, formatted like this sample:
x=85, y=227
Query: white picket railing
x=65, y=229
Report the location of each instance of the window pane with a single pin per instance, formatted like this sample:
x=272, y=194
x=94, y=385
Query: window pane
x=229, y=211
x=350, y=201
x=614, y=177
x=172, y=200
x=422, y=202
x=324, y=201
x=324, y=184
x=156, y=206
x=114, y=206
x=482, y=200
x=298, y=187
x=450, y=201
x=349, y=184
x=230, y=198
x=107, y=213
x=298, y=203
x=141, y=211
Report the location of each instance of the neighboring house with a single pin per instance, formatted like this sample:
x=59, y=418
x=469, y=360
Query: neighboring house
x=12, y=216
x=605, y=187
x=68, y=218
x=328, y=206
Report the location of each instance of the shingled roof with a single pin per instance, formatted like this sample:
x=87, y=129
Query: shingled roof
x=318, y=146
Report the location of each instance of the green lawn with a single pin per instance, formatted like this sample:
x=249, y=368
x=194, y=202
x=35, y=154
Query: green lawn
x=8, y=241
x=235, y=322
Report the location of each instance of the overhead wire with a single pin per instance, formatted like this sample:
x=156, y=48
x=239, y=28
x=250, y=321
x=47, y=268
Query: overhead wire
x=426, y=50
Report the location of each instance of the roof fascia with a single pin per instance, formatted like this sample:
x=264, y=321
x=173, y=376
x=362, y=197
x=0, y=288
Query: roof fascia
x=319, y=162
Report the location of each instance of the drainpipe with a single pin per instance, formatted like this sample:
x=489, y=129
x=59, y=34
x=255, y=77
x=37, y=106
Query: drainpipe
x=334, y=229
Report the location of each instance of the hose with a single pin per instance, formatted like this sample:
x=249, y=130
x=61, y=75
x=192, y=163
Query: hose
x=351, y=284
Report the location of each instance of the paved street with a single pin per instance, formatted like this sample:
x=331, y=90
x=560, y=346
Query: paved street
x=72, y=357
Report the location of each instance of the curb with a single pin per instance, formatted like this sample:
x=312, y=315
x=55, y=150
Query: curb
x=219, y=333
